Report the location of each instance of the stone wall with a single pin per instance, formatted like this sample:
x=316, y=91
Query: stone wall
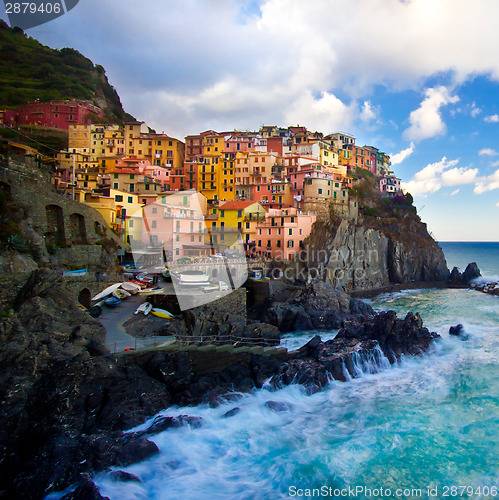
x=56, y=221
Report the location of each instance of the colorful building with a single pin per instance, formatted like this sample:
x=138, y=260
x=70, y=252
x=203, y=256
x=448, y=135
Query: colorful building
x=58, y=114
x=282, y=233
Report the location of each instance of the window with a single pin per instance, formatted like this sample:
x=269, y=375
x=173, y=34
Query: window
x=239, y=213
x=132, y=176
x=247, y=225
x=291, y=232
x=130, y=223
x=118, y=197
x=259, y=243
x=222, y=213
x=147, y=187
x=115, y=176
x=130, y=199
x=154, y=210
x=115, y=185
x=153, y=224
x=320, y=191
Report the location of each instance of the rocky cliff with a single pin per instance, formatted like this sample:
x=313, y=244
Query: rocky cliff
x=360, y=257
x=385, y=244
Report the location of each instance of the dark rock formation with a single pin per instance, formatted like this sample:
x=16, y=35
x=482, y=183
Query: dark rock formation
x=65, y=401
x=462, y=280
x=377, y=253
x=318, y=306
x=458, y=331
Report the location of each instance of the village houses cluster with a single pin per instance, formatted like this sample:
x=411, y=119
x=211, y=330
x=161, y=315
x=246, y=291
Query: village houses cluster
x=266, y=187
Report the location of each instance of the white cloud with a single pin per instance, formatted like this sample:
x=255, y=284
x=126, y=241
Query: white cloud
x=488, y=183
x=426, y=121
x=326, y=114
x=487, y=152
x=368, y=112
x=436, y=175
x=455, y=192
x=492, y=119
x=494, y=163
x=190, y=49
x=474, y=110
x=400, y=157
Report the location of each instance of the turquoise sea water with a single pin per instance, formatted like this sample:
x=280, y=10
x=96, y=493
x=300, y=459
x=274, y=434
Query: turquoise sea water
x=414, y=430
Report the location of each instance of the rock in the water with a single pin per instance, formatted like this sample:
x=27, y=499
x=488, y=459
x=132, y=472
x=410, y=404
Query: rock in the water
x=86, y=490
x=277, y=406
x=458, y=331
x=161, y=424
x=471, y=272
x=135, y=450
x=458, y=279
x=119, y=475
x=232, y=412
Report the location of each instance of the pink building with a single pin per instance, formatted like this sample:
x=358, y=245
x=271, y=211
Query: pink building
x=144, y=167
x=58, y=114
x=178, y=229
x=282, y=233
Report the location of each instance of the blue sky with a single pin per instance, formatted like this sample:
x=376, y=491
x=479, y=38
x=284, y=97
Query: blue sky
x=417, y=78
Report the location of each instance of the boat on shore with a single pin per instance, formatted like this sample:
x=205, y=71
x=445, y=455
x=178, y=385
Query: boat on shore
x=112, y=301
x=193, y=278
x=161, y=313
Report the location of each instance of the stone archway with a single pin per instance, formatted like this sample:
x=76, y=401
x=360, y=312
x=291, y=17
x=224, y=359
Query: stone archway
x=55, y=234
x=85, y=298
x=78, y=229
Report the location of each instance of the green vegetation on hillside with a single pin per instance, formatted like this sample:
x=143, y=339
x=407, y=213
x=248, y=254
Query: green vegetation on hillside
x=30, y=70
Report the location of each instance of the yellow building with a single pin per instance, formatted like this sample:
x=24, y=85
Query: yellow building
x=240, y=215
x=106, y=206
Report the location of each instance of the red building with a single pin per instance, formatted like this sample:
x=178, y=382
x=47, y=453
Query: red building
x=8, y=117
x=58, y=114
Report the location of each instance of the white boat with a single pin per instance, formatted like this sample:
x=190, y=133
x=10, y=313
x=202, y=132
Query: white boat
x=132, y=288
x=144, y=308
x=193, y=278
x=107, y=291
x=161, y=313
x=152, y=291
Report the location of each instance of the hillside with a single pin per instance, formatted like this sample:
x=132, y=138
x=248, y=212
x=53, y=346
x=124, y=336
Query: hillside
x=30, y=70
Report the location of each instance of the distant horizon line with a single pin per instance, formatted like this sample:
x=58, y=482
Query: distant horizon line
x=468, y=241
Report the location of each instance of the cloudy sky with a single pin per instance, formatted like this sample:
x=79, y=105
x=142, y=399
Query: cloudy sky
x=417, y=78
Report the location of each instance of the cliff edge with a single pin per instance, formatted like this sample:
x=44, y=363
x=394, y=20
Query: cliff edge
x=382, y=244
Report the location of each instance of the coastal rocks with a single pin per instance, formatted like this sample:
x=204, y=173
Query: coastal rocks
x=358, y=347
x=394, y=336
x=462, y=280
x=370, y=257
x=86, y=490
x=161, y=424
x=458, y=331
x=490, y=287
x=318, y=306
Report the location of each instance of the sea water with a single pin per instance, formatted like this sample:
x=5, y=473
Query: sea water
x=427, y=427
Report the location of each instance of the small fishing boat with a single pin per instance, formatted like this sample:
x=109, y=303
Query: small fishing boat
x=130, y=287
x=152, y=291
x=112, y=301
x=161, y=313
x=107, y=291
x=121, y=294
x=144, y=308
x=78, y=272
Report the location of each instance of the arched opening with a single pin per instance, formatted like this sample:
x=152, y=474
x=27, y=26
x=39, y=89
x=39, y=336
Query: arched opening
x=78, y=230
x=5, y=190
x=98, y=228
x=55, y=234
x=85, y=298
